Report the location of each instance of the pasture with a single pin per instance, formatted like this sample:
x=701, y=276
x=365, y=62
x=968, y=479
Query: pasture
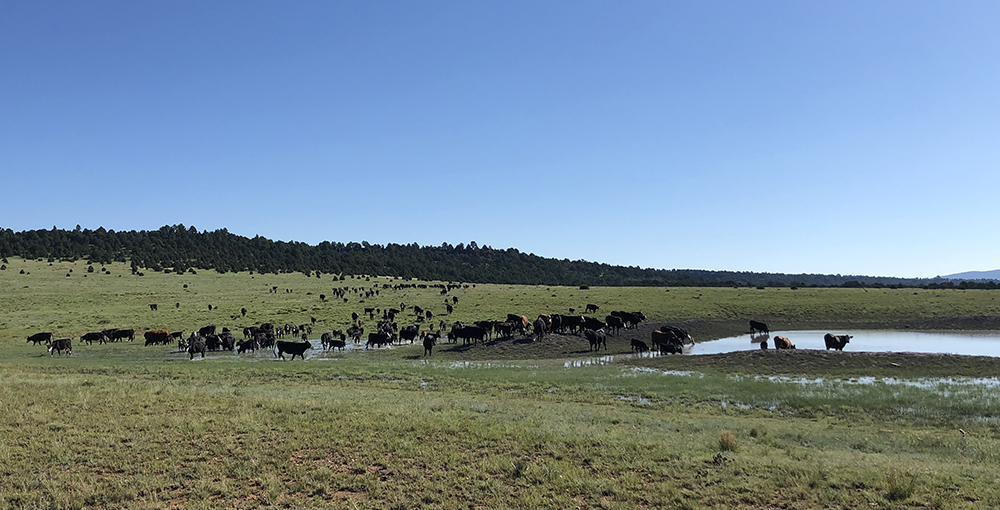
x=512, y=424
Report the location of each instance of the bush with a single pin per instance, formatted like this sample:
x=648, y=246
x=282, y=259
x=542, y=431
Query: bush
x=727, y=441
x=90, y=269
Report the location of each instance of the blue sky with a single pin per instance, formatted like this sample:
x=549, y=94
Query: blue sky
x=817, y=137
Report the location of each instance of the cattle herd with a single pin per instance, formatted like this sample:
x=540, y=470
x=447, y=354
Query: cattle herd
x=386, y=331
x=835, y=342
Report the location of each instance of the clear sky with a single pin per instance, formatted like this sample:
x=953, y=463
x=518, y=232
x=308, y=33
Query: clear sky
x=820, y=137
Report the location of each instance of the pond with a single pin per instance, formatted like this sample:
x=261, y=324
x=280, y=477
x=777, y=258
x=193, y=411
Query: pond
x=984, y=343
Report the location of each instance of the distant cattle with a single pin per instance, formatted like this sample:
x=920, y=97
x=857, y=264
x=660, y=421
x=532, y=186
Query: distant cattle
x=196, y=345
x=64, y=344
x=429, y=342
x=668, y=341
x=207, y=330
x=781, y=342
x=593, y=324
x=539, y=328
x=378, y=340
x=152, y=306
x=40, y=338
x=591, y=308
x=124, y=334
x=639, y=346
x=90, y=338
x=758, y=327
x=615, y=323
x=836, y=341
x=157, y=337
x=596, y=338
x=243, y=311
x=293, y=348
x=680, y=332
x=470, y=334
x=449, y=308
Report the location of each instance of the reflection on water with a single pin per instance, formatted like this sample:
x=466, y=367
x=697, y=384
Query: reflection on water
x=974, y=344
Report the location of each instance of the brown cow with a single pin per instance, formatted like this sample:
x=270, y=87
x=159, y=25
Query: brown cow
x=781, y=342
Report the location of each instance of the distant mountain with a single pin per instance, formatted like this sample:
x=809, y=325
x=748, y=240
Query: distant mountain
x=975, y=275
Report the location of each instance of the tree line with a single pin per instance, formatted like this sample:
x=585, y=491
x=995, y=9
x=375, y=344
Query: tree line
x=182, y=249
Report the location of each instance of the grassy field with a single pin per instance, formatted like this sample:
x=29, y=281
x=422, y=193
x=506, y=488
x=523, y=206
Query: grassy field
x=512, y=424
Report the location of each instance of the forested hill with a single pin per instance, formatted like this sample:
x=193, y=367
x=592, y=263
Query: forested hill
x=179, y=249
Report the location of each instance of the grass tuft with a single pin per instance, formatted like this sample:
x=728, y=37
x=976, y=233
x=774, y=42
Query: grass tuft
x=727, y=441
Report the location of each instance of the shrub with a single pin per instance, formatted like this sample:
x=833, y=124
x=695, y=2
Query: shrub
x=727, y=441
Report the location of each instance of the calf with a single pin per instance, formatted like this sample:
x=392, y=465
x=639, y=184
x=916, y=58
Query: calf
x=294, y=348
x=64, y=344
x=639, y=346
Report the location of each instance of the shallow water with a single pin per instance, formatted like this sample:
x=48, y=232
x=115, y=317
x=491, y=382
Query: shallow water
x=969, y=343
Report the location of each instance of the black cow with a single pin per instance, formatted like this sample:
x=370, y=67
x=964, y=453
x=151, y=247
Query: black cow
x=758, y=327
x=449, y=308
x=596, y=339
x=836, y=341
x=378, y=340
x=196, y=345
x=123, y=334
x=207, y=330
x=639, y=346
x=63, y=344
x=243, y=311
x=470, y=333
x=91, y=337
x=591, y=308
x=40, y=338
x=573, y=323
x=226, y=340
x=355, y=333
x=429, y=342
x=593, y=324
x=409, y=333
x=246, y=345
x=294, y=348
x=152, y=306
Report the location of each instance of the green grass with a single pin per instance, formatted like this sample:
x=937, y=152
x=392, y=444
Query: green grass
x=507, y=425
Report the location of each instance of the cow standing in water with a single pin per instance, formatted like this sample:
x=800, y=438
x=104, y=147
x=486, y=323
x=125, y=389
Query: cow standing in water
x=836, y=341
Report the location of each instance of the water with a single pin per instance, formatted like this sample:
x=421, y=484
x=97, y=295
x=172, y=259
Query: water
x=969, y=343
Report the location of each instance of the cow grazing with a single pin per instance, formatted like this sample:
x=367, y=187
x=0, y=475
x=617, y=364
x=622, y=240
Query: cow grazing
x=293, y=348
x=591, y=308
x=639, y=346
x=63, y=344
x=40, y=338
x=836, y=341
x=597, y=338
x=91, y=337
x=152, y=307
x=668, y=341
x=758, y=327
x=781, y=342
